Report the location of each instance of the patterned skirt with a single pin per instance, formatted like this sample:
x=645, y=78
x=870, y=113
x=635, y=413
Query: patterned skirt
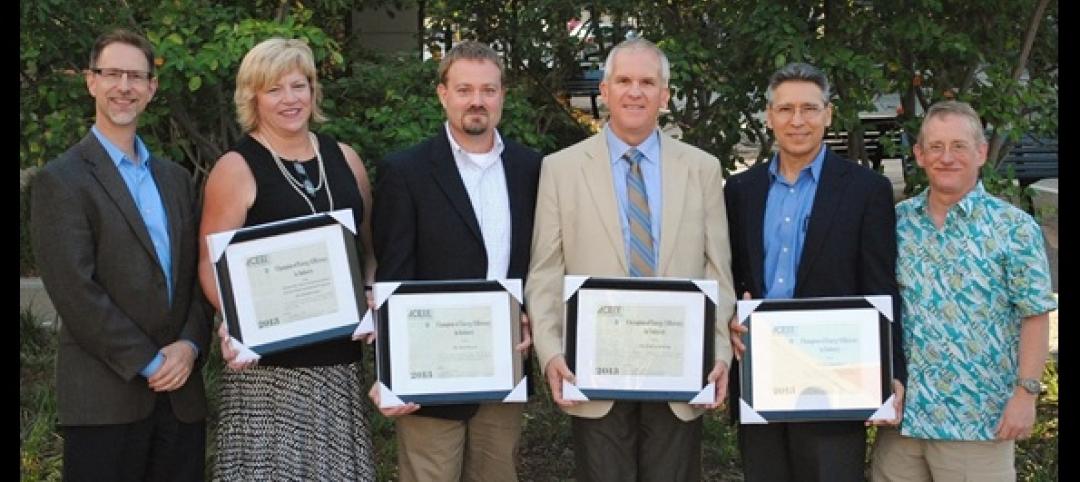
x=307, y=424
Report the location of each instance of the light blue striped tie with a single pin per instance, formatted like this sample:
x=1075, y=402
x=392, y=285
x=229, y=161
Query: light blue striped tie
x=640, y=256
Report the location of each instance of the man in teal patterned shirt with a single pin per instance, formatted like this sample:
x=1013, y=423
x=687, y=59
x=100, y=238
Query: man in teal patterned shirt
x=976, y=295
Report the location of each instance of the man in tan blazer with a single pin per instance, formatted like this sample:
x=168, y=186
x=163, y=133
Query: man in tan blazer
x=591, y=220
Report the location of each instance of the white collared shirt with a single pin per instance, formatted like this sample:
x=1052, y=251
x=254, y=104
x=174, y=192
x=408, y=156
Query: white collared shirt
x=485, y=182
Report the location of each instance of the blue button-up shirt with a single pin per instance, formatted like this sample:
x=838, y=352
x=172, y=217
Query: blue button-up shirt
x=144, y=191
x=787, y=216
x=650, y=171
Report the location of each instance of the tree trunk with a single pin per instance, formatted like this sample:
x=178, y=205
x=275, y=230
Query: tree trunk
x=998, y=140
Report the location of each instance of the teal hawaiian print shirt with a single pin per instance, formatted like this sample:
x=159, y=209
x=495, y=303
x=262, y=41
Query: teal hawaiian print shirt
x=965, y=290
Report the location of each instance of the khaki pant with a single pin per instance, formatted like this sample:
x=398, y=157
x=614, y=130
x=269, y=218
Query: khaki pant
x=897, y=458
x=483, y=448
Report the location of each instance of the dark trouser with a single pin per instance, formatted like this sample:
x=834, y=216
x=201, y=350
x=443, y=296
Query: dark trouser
x=804, y=451
x=159, y=448
x=637, y=441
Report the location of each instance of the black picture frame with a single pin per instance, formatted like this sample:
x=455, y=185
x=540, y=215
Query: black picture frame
x=598, y=383
x=339, y=278
x=808, y=312
x=393, y=345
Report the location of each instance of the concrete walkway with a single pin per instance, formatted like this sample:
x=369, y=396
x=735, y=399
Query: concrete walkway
x=32, y=297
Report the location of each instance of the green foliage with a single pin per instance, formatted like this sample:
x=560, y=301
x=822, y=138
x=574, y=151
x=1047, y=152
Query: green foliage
x=198, y=47
x=211, y=374
x=27, y=265
x=389, y=103
x=721, y=54
x=194, y=117
x=1007, y=187
x=1037, y=457
x=971, y=51
x=367, y=108
x=40, y=446
x=53, y=112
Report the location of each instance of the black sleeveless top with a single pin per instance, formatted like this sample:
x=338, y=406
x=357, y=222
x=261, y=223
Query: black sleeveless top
x=275, y=199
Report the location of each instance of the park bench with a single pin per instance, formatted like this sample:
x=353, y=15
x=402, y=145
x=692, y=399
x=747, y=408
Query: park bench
x=1031, y=159
x=586, y=84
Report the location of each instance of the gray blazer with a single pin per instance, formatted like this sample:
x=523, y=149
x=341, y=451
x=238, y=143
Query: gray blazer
x=100, y=270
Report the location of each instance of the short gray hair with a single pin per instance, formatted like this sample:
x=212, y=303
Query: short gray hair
x=798, y=72
x=957, y=108
x=638, y=43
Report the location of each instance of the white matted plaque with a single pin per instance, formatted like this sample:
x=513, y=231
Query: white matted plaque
x=813, y=359
x=639, y=338
x=289, y=283
x=449, y=342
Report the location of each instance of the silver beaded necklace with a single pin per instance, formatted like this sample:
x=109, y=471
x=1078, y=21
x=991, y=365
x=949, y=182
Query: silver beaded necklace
x=296, y=185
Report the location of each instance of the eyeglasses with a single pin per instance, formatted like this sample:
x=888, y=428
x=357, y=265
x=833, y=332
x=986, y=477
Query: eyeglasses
x=786, y=112
x=956, y=147
x=115, y=75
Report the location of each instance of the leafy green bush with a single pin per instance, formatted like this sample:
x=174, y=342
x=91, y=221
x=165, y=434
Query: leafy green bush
x=388, y=103
x=27, y=265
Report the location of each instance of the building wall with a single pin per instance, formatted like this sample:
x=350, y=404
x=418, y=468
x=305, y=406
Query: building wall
x=387, y=29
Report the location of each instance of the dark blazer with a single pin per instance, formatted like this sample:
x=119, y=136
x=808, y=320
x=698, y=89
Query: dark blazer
x=850, y=246
x=101, y=272
x=424, y=227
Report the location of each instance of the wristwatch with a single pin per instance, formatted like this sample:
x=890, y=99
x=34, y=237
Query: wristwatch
x=1031, y=385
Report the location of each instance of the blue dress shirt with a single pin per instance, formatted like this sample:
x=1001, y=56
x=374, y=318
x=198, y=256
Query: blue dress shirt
x=787, y=216
x=650, y=171
x=144, y=191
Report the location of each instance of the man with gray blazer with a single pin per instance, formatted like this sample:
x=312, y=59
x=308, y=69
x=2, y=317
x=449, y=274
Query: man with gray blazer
x=629, y=201
x=114, y=234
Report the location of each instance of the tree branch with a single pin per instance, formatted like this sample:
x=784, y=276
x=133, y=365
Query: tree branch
x=998, y=140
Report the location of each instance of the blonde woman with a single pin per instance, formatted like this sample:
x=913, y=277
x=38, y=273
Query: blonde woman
x=299, y=414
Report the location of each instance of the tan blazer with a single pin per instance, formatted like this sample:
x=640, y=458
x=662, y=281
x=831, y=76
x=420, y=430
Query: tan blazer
x=577, y=232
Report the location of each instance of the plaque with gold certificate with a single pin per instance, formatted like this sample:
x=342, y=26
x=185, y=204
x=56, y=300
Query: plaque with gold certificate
x=449, y=342
x=815, y=359
x=289, y=283
x=648, y=339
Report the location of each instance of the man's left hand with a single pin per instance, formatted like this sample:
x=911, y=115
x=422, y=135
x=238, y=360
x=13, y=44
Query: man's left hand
x=719, y=377
x=175, y=370
x=1019, y=417
x=526, y=335
x=898, y=405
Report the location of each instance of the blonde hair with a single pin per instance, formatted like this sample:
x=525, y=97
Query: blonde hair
x=263, y=65
x=957, y=108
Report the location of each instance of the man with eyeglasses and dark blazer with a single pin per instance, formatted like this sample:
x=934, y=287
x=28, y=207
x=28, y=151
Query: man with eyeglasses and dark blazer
x=113, y=229
x=808, y=223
